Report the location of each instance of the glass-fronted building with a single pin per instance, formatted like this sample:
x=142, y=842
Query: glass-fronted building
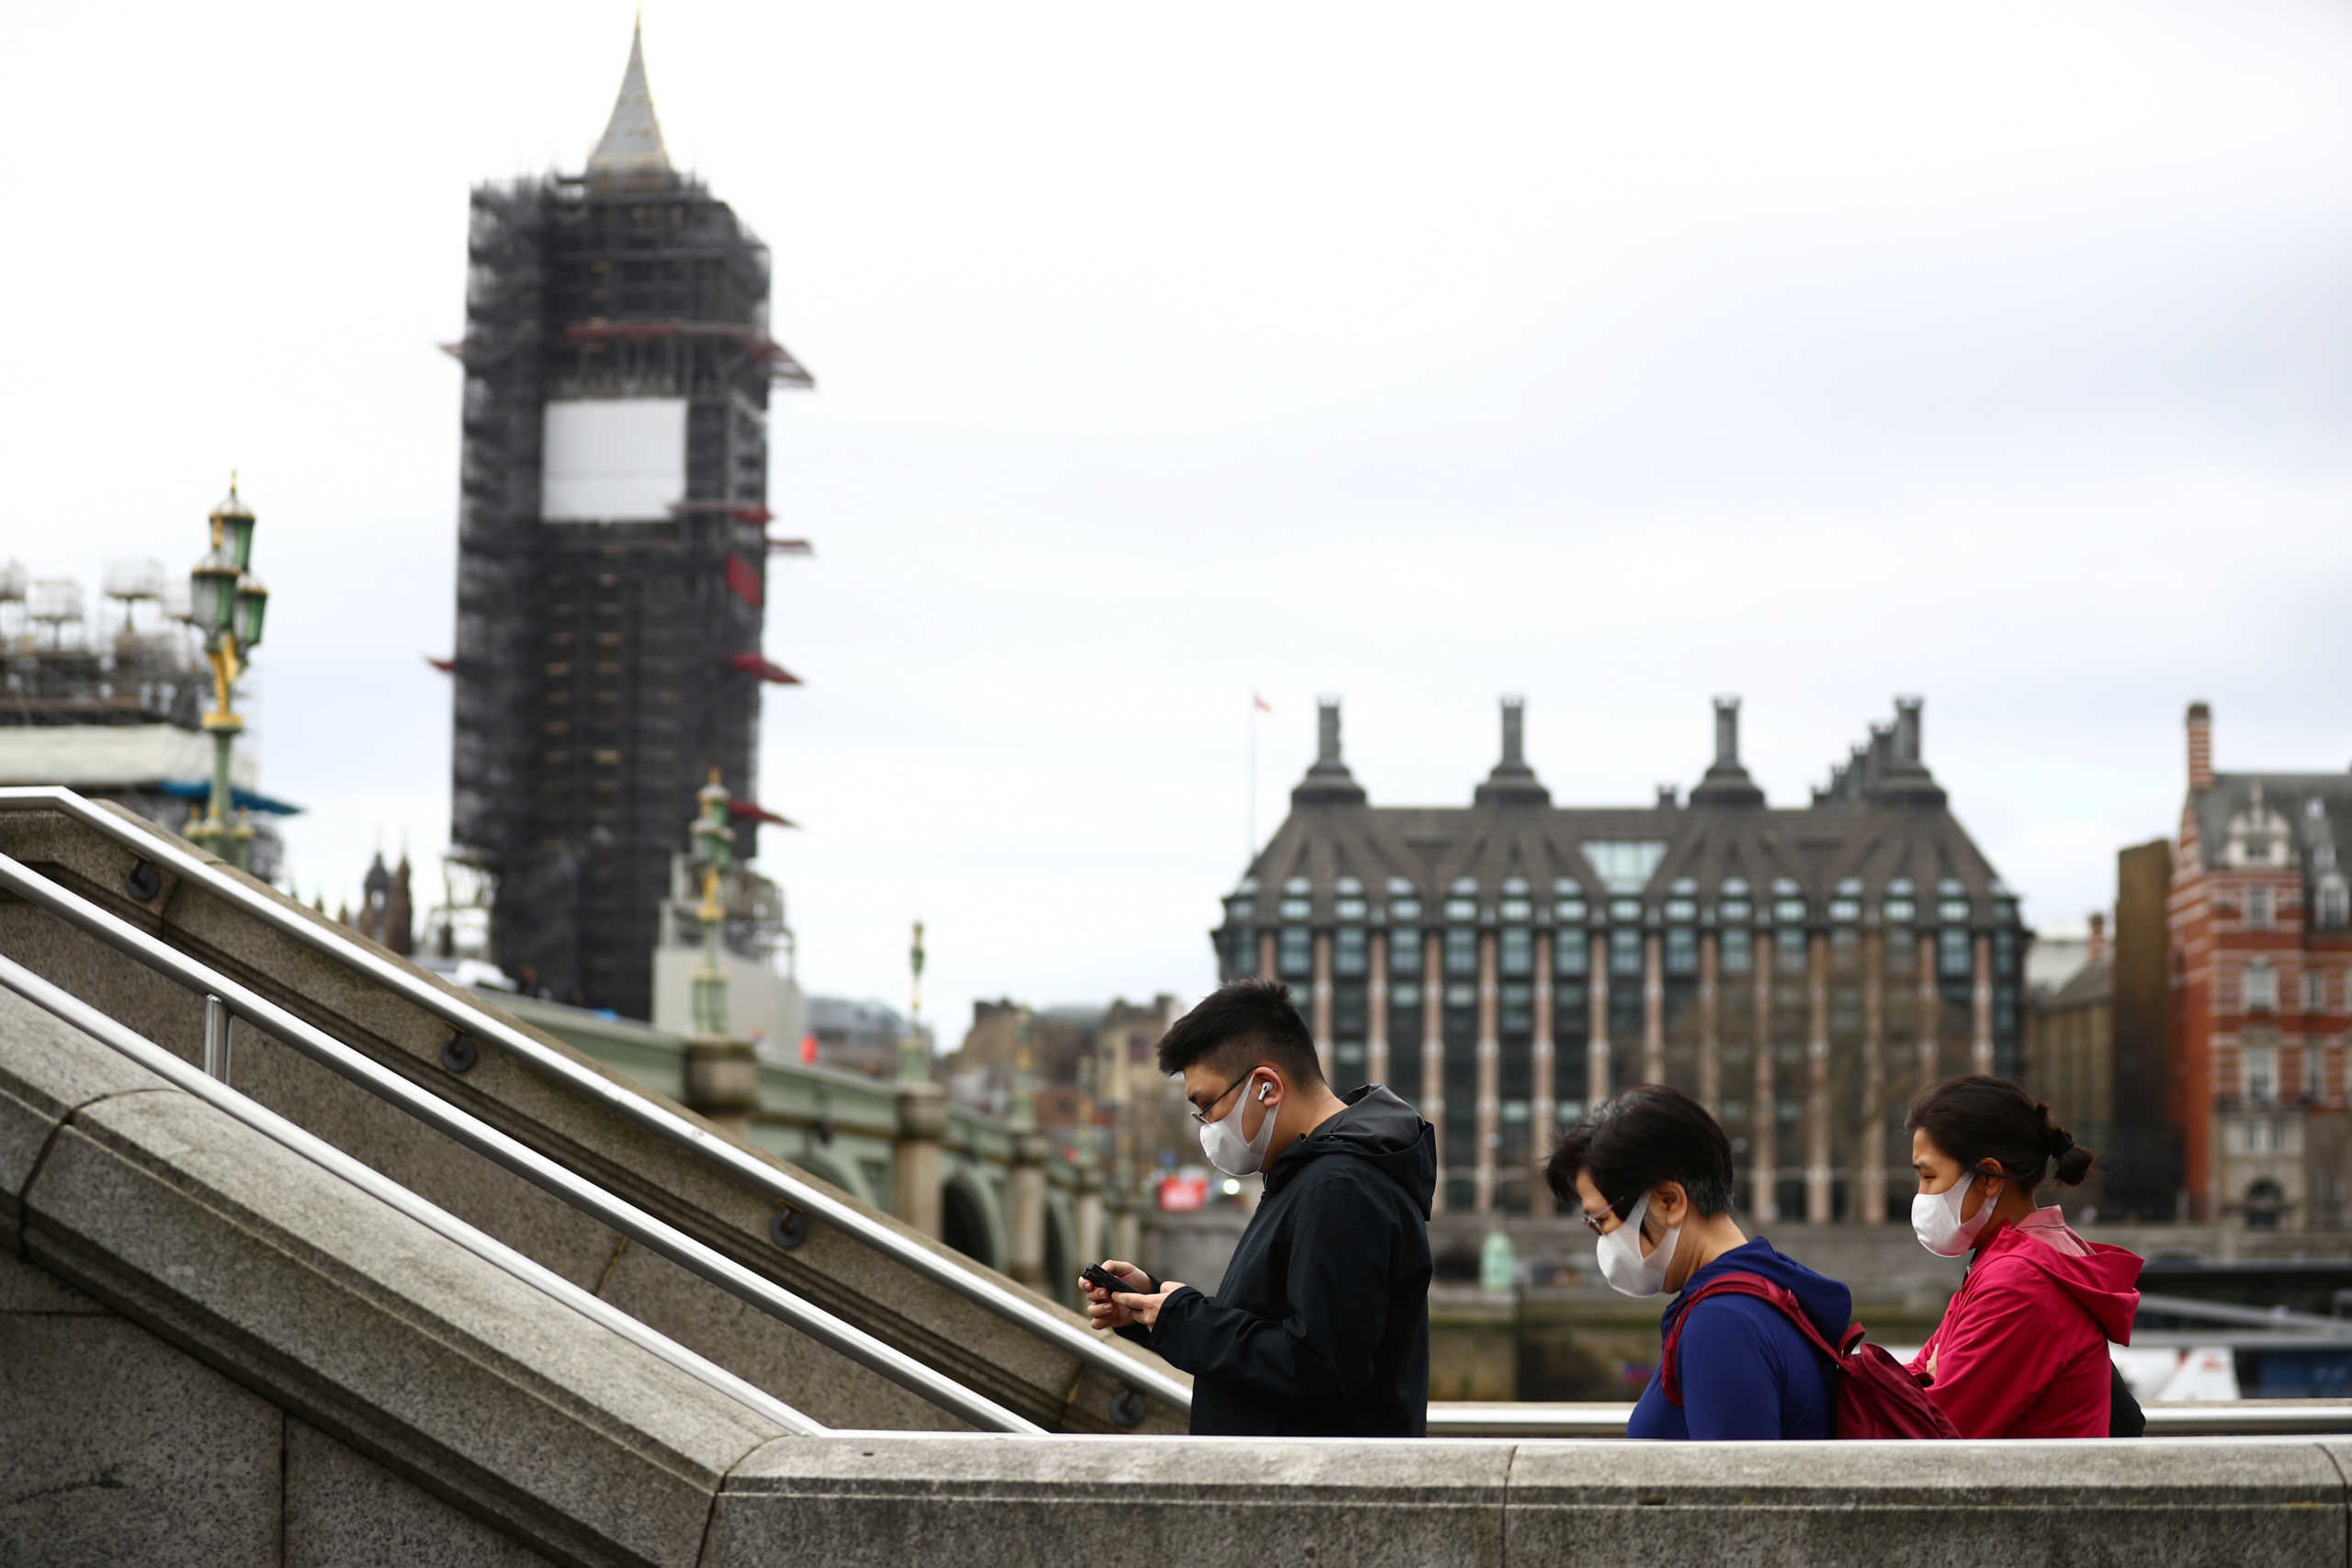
x=1505, y=965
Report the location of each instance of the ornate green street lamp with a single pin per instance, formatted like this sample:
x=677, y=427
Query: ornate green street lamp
x=914, y=1057
x=227, y=605
x=1083, y=1150
x=1024, y=1111
x=713, y=854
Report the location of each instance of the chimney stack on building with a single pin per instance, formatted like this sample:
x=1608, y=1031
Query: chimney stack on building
x=1513, y=782
x=2200, y=747
x=2097, y=952
x=1327, y=783
x=1726, y=782
x=1906, y=729
x=1889, y=769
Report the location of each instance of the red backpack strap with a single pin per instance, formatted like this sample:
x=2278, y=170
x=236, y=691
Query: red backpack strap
x=1763, y=1289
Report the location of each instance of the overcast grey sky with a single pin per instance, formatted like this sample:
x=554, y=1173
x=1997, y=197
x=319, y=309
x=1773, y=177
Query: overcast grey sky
x=1616, y=356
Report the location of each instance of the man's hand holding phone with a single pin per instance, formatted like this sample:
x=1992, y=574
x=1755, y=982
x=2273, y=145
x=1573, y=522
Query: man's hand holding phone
x=1119, y=1294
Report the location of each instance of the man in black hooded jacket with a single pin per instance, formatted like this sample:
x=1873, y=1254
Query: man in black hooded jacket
x=1321, y=1327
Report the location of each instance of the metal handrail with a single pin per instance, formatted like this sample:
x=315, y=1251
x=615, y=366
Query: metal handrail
x=479, y=1023
x=474, y=1133
x=2218, y=1418
x=120, y=1037
x=2278, y=1320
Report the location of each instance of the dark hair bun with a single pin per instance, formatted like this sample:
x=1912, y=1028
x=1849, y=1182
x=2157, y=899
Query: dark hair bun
x=1977, y=1117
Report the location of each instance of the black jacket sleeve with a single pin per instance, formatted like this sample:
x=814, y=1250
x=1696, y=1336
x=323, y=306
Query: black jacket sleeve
x=1137, y=1332
x=1337, y=1285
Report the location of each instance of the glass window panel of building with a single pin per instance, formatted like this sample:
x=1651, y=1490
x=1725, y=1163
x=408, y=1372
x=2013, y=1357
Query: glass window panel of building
x=1624, y=865
x=1955, y=960
x=1404, y=1040
x=1571, y=955
x=1461, y=1113
x=1515, y=1014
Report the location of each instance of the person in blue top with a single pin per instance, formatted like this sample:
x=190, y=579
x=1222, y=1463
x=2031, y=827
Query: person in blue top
x=1651, y=1172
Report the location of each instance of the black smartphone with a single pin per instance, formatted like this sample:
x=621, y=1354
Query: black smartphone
x=1102, y=1279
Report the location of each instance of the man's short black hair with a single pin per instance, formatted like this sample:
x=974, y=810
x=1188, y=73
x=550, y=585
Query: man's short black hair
x=1239, y=1025
x=1636, y=1142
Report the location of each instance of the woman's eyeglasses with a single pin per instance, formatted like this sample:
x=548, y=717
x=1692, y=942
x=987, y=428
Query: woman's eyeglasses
x=1592, y=1221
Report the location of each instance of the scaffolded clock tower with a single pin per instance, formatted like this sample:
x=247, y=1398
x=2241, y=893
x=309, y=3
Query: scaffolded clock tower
x=612, y=546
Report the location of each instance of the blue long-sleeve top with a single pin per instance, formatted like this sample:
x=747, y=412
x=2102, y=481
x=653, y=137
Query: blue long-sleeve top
x=1747, y=1372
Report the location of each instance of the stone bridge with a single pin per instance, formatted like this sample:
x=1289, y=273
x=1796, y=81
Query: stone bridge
x=1005, y=1197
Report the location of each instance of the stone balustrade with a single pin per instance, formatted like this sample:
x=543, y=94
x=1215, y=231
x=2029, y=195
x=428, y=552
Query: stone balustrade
x=832, y=1268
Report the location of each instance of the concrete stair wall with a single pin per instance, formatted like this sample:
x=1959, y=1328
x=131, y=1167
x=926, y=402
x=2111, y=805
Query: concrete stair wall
x=834, y=1270
x=211, y=1350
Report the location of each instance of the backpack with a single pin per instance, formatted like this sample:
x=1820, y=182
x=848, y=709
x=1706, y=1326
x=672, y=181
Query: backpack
x=1875, y=1397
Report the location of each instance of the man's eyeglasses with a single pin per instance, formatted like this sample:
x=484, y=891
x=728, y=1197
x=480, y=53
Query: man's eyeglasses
x=1202, y=1114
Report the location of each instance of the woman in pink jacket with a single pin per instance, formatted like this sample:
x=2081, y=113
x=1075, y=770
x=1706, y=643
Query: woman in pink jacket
x=2022, y=1352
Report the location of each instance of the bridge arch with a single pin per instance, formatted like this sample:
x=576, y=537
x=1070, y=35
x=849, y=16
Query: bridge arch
x=1062, y=1261
x=842, y=1172
x=969, y=1219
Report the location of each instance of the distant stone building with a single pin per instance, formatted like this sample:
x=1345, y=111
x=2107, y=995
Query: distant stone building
x=1106, y=1056
x=764, y=1004
x=386, y=914
x=2098, y=1048
x=2070, y=1036
x=110, y=706
x=858, y=1036
x=2261, y=959
x=1507, y=964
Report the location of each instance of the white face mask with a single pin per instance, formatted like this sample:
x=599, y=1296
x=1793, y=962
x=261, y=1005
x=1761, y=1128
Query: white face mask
x=1222, y=1141
x=1935, y=1217
x=1622, y=1263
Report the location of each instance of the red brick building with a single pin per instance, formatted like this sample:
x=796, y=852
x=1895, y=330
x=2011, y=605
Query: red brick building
x=2261, y=956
